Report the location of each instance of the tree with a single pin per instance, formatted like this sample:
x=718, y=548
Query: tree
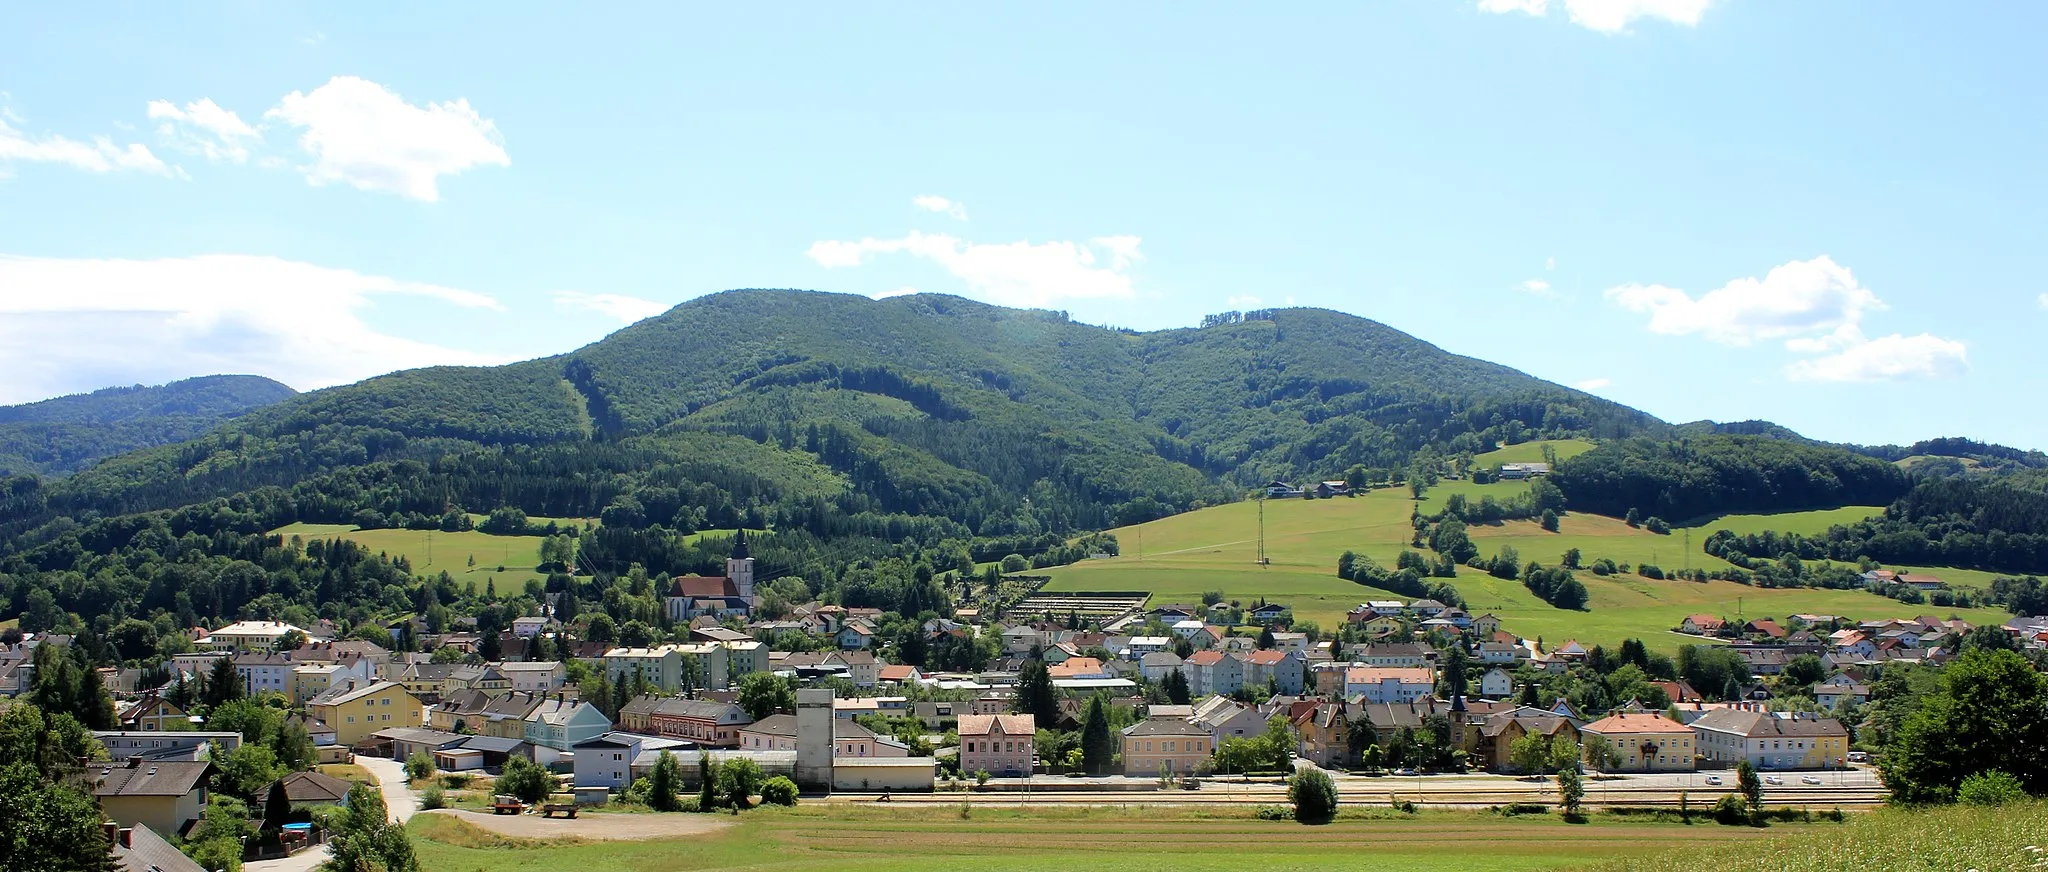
x=738, y=780
x=419, y=766
x=223, y=683
x=245, y=770
x=1750, y=786
x=1601, y=754
x=1036, y=695
x=1176, y=685
x=1360, y=737
x=707, y=783
x=277, y=807
x=365, y=839
x=664, y=783
x=1454, y=671
x=1990, y=714
x=1314, y=795
x=778, y=791
x=51, y=823
x=1564, y=753
x=293, y=746
x=1530, y=754
x=1807, y=670
x=525, y=779
x=255, y=721
x=1571, y=791
x=1097, y=744
x=764, y=693
x=1548, y=520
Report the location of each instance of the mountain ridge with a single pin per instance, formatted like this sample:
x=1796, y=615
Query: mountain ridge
x=61, y=435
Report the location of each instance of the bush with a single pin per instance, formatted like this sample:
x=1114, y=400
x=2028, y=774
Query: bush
x=453, y=781
x=1314, y=795
x=1273, y=813
x=778, y=791
x=1513, y=809
x=419, y=767
x=1731, y=811
x=434, y=798
x=1990, y=787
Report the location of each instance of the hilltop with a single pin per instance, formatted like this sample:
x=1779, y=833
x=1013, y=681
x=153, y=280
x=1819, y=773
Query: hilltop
x=63, y=435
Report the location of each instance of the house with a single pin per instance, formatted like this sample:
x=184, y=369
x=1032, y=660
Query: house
x=1829, y=694
x=1381, y=624
x=1763, y=660
x=1021, y=640
x=996, y=744
x=1079, y=667
x=708, y=723
x=355, y=709
x=1267, y=614
x=184, y=745
x=1390, y=654
x=1227, y=719
x=1771, y=740
x=248, y=636
x=561, y=723
x=541, y=676
x=607, y=760
x=264, y=671
x=1678, y=691
x=152, y=714
x=1156, y=665
x=1497, y=683
x=856, y=637
x=1486, y=625
x=1280, y=669
x=899, y=674
x=304, y=789
x=139, y=849
x=1498, y=653
x=1498, y=732
x=1701, y=625
x=1764, y=627
x=164, y=795
x=1646, y=741
x=529, y=627
x=1922, y=582
x=1389, y=683
x=1166, y=746
x=1214, y=672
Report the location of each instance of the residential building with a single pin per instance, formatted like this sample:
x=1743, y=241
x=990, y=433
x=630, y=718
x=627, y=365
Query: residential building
x=308, y=789
x=1389, y=683
x=1497, y=683
x=153, y=713
x=264, y=671
x=1390, y=654
x=1166, y=746
x=1701, y=625
x=164, y=795
x=707, y=723
x=1280, y=669
x=607, y=760
x=543, y=676
x=1771, y=740
x=1830, y=693
x=1156, y=665
x=165, y=745
x=996, y=744
x=561, y=723
x=1647, y=742
x=1228, y=719
x=1498, y=732
x=356, y=708
x=1214, y=672
x=247, y=636
x=140, y=849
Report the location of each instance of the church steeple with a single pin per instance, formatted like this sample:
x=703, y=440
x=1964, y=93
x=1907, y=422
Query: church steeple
x=739, y=544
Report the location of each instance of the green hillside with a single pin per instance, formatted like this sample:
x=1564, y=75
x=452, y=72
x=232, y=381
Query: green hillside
x=63, y=435
x=1216, y=549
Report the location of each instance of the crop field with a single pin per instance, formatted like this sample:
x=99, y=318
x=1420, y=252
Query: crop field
x=938, y=839
x=1180, y=557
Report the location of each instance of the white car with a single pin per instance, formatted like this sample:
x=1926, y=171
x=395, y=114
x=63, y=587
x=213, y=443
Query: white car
x=1713, y=779
x=1809, y=779
x=1773, y=779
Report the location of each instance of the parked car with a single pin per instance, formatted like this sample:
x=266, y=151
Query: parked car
x=1406, y=772
x=1713, y=779
x=1858, y=757
x=1809, y=779
x=1773, y=779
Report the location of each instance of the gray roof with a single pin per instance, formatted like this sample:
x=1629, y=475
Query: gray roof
x=139, y=777
x=1166, y=727
x=148, y=852
x=1754, y=724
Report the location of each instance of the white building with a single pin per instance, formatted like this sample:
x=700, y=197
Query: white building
x=248, y=636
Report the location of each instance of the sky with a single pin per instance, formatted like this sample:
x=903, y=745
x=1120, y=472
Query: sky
x=1825, y=213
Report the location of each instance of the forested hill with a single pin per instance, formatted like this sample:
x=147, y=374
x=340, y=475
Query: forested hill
x=811, y=405
x=62, y=435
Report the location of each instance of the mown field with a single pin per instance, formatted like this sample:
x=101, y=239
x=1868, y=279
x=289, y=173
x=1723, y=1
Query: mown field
x=508, y=560
x=1179, y=558
x=937, y=839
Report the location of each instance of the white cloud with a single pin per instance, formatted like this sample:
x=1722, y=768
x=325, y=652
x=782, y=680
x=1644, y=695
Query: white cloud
x=1607, y=16
x=1538, y=288
x=1593, y=384
x=1803, y=298
x=72, y=325
x=618, y=307
x=1887, y=358
x=100, y=155
x=1549, y=263
x=935, y=203
x=2043, y=300
x=359, y=132
x=1014, y=273
x=1816, y=307
x=203, y=127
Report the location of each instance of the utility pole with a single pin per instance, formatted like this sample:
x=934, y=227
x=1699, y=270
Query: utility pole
x=1262, y=530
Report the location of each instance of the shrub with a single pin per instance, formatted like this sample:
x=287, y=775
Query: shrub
x=434, y=798
x=1524, y=808
x=453, y=781
x=419, y=766
x=1990, y=787
x=1731, y=811
x=1313, y=794
x=1273, y=813
x=778, y=791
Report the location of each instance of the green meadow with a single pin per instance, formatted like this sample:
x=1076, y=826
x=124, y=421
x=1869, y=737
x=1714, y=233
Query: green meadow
x=470, y=557
x=1176, y=559
x=829, y=838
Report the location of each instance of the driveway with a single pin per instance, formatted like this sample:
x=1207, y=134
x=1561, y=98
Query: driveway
x=399, y=799
x=619, y=826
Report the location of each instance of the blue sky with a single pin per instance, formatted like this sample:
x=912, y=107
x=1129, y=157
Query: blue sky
x=1821, y=213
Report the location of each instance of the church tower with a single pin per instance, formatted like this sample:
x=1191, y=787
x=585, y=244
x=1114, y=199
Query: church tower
x=739, y=568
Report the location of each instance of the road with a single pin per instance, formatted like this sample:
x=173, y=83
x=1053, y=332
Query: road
x=617, y=827
x=398, y=799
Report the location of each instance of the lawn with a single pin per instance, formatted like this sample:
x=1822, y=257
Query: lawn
x=937, y=839
x=1178, y=558
x=470, y=557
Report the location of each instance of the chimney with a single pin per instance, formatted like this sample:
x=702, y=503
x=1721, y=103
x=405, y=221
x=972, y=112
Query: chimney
x=113, y=831
x=127, y=837
x=135, y=762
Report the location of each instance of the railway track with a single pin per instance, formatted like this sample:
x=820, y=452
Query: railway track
x=1819, y=798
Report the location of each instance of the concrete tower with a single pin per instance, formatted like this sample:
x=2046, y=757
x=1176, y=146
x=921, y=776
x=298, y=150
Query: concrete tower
x=814, y=739
x=740, y=569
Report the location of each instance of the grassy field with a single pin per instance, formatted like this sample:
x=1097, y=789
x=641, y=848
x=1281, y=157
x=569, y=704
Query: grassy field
x=433, y=552
x=1532, y=452
x=1953, y=839
x=826, y=838
x=1180, y=557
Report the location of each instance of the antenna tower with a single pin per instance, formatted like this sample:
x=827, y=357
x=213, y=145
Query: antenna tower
x=1262, y=530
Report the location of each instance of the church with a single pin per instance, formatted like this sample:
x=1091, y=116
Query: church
x=694, y=596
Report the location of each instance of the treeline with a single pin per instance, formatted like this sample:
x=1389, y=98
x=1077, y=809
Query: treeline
x=1409, y=578
x=1967, y=522
x=1708, y=475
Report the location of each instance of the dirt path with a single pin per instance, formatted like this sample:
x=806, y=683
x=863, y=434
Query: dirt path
x=594, y=826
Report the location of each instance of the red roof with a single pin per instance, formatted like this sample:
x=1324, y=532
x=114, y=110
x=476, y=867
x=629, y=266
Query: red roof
x=694, y=586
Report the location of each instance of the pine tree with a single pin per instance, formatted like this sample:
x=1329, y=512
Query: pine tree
x=1097, y=745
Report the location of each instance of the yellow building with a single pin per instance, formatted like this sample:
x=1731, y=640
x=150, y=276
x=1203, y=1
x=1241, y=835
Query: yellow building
x=1647, y=742
x=357, y=708
x=1772, y=740
x=1166, y=746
